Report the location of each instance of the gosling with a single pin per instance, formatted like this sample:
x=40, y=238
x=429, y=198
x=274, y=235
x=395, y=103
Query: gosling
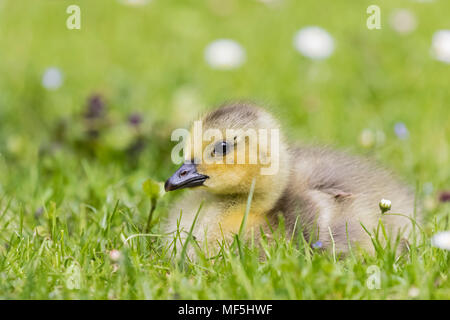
x=331, y=197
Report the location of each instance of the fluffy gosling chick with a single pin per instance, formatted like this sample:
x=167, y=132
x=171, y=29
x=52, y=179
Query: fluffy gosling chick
x=327, y=194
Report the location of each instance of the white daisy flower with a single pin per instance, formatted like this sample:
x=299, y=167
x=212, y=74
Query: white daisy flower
x=314, y=42
x=271, y=2
x=441, y=45
x=441, y=240
x=403, y=21
x=225, y=54
x=413, y=292
x=385, y=205
x=134, y=2
x=52, y=78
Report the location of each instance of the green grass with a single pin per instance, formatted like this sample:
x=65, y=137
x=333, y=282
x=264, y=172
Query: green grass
x=67, y=199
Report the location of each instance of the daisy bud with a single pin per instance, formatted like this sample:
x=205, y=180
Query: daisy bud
x=366, y=138
x=385, y=205
x=114, y=255
x=414, y=292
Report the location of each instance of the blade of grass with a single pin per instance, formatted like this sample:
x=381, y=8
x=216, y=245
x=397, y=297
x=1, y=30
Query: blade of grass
x=247, y=209
x=150, y=215
x=191, y=230
x=334, y=244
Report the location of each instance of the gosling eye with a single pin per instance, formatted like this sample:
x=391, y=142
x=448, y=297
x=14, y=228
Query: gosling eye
x=221, y=148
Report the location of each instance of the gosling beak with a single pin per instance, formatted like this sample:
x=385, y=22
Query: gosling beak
x=185, y=177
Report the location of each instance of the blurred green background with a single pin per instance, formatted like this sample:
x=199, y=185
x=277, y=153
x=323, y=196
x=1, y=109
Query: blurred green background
x=149, y=59
x=133, y=73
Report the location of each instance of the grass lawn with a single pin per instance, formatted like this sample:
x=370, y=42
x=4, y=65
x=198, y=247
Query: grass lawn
x=73, y=159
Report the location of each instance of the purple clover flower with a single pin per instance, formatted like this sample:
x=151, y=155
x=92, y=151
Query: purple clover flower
x=95, y=107
x=444, y=196
x=401, y=131
x=317, y=245
x=39, y=212
x=135, y=119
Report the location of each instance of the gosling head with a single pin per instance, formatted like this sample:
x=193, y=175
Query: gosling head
x=230, y=147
